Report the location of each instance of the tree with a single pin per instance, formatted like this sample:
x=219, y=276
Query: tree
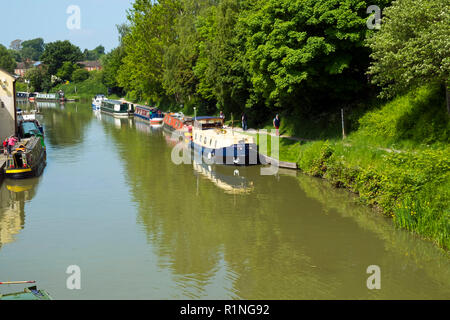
x=92, y=55
x=80, y=75
x=56, y=53
x=306, y=54
x=221, y=67
x=32, y=49
x=7, y=61
x=65, y=72
x=151, y=32
x=16, y=45
x=412, y=46
x=39, y=79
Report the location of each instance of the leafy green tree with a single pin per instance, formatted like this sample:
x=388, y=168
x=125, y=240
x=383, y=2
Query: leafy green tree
x=95, y=54
x=221, y=67
x=151, y=32
x=80, y=75
x=56, y=53
x=65, y=72
x=179, y=79
x=32, y=49
x=16, y=45
x=39, y=79
x=412, y=47
x=7, y=61
x=111, y=63
x=305, y=54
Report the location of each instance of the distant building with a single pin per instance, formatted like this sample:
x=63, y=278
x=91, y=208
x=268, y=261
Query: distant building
x=91, y=65
x=20, y=69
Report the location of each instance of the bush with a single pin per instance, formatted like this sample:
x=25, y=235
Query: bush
x=80, y=75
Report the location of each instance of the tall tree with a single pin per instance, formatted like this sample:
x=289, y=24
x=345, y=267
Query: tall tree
x=7, y=61
x=412, y=46
x=16, y=45
x=151, y=32
x=56, y=53
x=32, y=49
x=306, y=54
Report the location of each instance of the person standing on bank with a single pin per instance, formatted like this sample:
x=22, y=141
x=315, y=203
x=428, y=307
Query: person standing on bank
x=244, y=122
x=222, y=116
x=276, y=123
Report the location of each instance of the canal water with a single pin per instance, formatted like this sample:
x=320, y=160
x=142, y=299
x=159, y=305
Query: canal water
x=138, y=226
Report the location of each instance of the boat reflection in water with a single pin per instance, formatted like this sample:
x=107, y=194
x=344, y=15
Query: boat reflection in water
x=13, y=196
x=144, y=126
x=40, y=105
x=227, y=178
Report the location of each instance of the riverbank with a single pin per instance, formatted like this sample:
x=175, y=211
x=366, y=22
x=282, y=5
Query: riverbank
x=397, y=161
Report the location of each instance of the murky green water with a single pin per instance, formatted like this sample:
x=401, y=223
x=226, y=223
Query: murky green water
x=140, y=227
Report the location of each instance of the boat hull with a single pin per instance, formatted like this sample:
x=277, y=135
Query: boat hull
x=114, y=113
x=25, y=173
x=236, y=155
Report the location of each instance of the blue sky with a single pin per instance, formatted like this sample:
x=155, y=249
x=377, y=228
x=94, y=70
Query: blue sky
x=47, y=19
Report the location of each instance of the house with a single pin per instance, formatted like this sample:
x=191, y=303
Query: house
x=8, y=125
x=91, y=65
x=20, y=69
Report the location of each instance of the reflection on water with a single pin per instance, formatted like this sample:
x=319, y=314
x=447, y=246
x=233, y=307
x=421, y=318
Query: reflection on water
x=227, y=178
x=142, y=227
x=13, y=196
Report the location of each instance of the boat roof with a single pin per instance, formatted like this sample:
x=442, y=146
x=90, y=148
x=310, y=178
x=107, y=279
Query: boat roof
x=207, y=118
x=115, y=101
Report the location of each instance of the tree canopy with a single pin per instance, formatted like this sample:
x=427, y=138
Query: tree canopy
x=412, y=46
x=7, y=61
x=56, y=53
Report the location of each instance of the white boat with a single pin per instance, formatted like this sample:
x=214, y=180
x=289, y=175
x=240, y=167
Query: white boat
x=97, y=101
x=222, y=146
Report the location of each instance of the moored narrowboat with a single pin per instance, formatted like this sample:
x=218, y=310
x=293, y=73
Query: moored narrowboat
x=176, y=121
x=58, y=96
x=27, y=160
x=222, y=146
x=156, y=118
x=116, y=108
x=30, y=293
x=143, y=112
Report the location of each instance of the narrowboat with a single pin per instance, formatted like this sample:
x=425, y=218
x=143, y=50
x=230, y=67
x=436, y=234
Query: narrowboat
x=143, y=112
x=218, y=145
x=27, y=160
x=58, y=96
x=97, y=101
x=30, y=293
x=28, y=125
x=116, y=108
x=156, y=118
x=176, y=121
x=22, y=95
x=32, y=97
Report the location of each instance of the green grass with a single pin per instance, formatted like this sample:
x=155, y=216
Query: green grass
x=83, y=90
x=398, y=161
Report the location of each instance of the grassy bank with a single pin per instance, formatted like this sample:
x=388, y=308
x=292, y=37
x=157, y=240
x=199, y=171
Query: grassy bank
x=398, y=161
x=84, y=90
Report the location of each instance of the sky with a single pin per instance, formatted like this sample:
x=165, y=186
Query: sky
x=58, y=20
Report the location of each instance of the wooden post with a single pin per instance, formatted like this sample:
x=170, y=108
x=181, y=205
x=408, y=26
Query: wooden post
x=343, y=127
